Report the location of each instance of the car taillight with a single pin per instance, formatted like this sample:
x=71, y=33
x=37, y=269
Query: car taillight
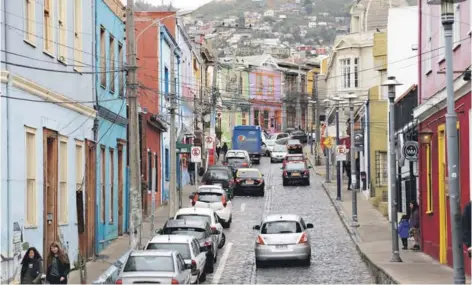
x=260, y=240
x=119, y=281
x=174, y=281
x=195, y=199
x=260, y=180
x=213, y=229
x=305, y=172
x=238, y=180
x=244, y=164
x=223, y=200
x=285, y=172
x=207, y=244
x=194, y=265
x=303, y=238
x=231, y=181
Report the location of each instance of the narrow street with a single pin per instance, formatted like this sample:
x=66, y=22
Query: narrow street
x=329, y=238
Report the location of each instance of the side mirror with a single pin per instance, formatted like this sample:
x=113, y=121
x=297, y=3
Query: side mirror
x=309, y=225
x=256, y=227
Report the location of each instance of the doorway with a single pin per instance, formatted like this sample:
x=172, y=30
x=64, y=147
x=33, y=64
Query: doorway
x=120, y=189
x=90, y=182
x=50, y=176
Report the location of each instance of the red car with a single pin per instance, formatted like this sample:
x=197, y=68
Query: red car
x=297, y=157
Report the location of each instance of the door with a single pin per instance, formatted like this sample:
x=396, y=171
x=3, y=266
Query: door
x=90, y=182
x=120, y=189
x=442, y=195
x=50, y=178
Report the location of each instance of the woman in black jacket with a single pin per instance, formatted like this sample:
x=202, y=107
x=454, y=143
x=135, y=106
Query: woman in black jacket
x=415, y=224
x=31, y=267
x=58, y=265
x=466, y=225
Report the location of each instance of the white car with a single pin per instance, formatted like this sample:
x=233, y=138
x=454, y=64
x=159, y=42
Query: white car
x=214, y=197
x=238, y=153
x=205, y=214
x=188, y=247
x=270, y=146
x=278, y=153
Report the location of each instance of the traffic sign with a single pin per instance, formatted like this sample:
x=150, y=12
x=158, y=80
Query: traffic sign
x=196, y=154
x=328, y=142
x=209, y=142
x=410, y=150
x=341, y=152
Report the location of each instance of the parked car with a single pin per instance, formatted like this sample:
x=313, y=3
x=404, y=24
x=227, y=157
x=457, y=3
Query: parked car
x=299, y=135
x=270, y=147
x=155, y=267
x=236, y=159
x=205, y=215
x=295, y=172
x=188, y=247
x=207, y=237
x=278, y=154
x=290, y=130
x=295, y=157
x=294, y=146
x=215, y=199
x=250, y=180
x=222, y=175
x=282, y=237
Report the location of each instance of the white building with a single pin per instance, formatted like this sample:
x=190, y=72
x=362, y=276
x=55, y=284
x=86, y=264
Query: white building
x=312, y=25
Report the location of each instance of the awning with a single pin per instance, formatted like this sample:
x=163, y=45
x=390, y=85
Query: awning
x=156, y=122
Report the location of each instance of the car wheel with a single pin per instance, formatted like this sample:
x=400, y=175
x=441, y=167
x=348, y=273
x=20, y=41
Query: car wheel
x=260, y=264
x=210, y=264
x=225, y=225
x=271, y=160
x=307, y=182
x=284, y=182
x=307, y=261
x=261, y=193
x=223, y=240
x=203, y=276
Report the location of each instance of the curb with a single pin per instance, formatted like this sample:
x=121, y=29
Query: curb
x=112, y=273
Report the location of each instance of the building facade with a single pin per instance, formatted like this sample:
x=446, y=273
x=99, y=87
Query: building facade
x=111, y=151
x=47, y=128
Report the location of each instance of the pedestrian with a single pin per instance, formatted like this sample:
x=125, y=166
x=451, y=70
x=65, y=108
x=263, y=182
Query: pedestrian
x=347, y=169
x=415, y=224
x=191, y=172
x=58, y=265
x=31, y=267
x=404, y=230
x=224, y=149
x=218, y=150
x=466, y=224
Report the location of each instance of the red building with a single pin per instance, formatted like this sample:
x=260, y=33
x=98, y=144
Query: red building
x=433, y=174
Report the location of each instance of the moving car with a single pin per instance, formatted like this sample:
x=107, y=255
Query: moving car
x=207, y=237
x=249, y=180
x=155, y=266
x=188, y=247
x=294, y=146
x=214, y=198
x=282, y=237
x=299, y=135
x=295, y=172
x=222, y=175
x=237, y=159
x=278, y=154
x=296, y=157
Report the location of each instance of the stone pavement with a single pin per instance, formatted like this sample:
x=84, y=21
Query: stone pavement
x=104, y=262
x=374, y=242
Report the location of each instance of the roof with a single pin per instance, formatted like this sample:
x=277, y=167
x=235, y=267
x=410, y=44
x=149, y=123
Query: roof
x=376, y=12
x=152, y=252
x=281, y=217
x=171, y=239
x=185, y=223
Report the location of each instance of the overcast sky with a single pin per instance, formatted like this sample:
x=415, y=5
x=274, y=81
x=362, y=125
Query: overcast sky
x=182, y=4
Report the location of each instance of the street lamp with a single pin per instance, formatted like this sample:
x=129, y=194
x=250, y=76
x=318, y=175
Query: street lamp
x=426, y=135
x=313, y=102
x=391, y=83
x=338, y=163
x=328, y=156
x=447, y=19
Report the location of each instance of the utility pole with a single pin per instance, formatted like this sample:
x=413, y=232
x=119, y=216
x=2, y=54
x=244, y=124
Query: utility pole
x=133, y=128
x=214, y=95
x=338, y=163
x=353, y=161
x=299, y=88
x=328, y=151
x=173, y=152
x=317, y=116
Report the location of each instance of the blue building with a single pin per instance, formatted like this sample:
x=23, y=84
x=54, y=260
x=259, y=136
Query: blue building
x=111, y=198
x=168, y=45
x=47, y=118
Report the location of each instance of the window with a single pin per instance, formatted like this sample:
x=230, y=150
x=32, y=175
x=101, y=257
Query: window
x=429, y=184
x=111, y=63
x=259, y=85
x=441, y=41
x=266, y=119
x=77, y=34
x=429, y=46
x=62, y=217
x=356, y=72
x=102, y=183
x=103, y=56
x=121, y=78
x=31, y=164
x=346, y=72
x=112, y=184
x=270, y=86
x=62, y=23
x=256, y=117
x=79, y=166
x=167, y=169
x=149, y=171
x=30, y=21
x=166, y=81
x=47, y=26
x=456, y=37
x=243, y=119
x=157, y=172
x=381, y=167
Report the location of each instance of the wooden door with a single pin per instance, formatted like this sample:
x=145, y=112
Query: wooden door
x=90, y=182
x=50, y=178
x=120, y=189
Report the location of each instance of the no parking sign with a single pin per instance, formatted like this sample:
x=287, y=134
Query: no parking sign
x=196, y=154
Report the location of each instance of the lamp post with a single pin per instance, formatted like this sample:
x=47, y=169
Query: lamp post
x=338, y=163
x=328, y=152
x=350, y=98
x=391, y=83
x=313, y=102
x=426, y=135
x=447, y=19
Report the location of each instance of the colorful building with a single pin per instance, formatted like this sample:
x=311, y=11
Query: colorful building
x=433, y=169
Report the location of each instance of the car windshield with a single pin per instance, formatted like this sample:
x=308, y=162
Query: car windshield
x=209, y=197
x=295, y=158
x=149, y=263
x=248, y=174
x=195, y=232
x=182, y=248
x=235, y=154
x=295, y=166
x=280, y=148
x=193, y=217
x=217, y=174
x=293, y=142
x=281, y=227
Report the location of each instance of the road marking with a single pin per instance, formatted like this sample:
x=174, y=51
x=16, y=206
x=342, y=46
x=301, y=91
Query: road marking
x=221, y=265
x=243, y=207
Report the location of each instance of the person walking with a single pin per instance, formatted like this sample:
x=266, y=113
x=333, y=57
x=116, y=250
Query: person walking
x=347, y=169
x=404, y=230
x=31, y=267
x=224, y=149
x=415, y=224
x=218, y=150
x=466, y=225
x=58, y=265
x=191, y=172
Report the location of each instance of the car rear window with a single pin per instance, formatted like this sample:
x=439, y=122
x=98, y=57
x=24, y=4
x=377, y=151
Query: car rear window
x=294, y=142
x=248, y=174
x=209, y=197
x=194, y=232
x=149, y=263
x=295, y=166
x=280, y=148
x=193, y=217
x=281, y=227
x=182, y=248
x=295, y=158
x=236, y=159
x=216, y=174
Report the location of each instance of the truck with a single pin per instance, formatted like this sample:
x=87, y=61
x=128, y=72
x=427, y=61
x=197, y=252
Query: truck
x=248, y=138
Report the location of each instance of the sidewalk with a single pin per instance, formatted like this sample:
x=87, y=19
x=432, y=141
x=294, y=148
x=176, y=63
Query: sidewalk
x=374, y=242
x=102, y=269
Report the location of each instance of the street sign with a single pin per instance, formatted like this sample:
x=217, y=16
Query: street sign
x=341, y=152
x=196, y=154
x=410, y=150
x=209, y=142
x=328, y=142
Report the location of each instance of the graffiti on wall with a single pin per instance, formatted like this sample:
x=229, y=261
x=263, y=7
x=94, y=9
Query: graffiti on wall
x=10, y=265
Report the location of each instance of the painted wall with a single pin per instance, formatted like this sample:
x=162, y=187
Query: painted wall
x=75, y=123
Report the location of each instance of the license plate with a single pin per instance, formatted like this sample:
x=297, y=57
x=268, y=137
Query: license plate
x=295, y=174
x=281, y=247
x=249, y=182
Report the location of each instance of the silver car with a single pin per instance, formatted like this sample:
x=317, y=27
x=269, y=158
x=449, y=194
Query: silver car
x=155, y=266
x=283, y=237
